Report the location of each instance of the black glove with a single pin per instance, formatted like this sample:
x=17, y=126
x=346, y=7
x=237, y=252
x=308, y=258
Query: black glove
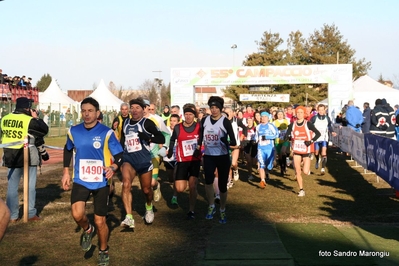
x=357, y=126
x=244, y=143
x=43, y=153
x=196, y=153
x=224, y=140
x=143, y=136
x=263, y=137
x=307, y=143
x=170, y=153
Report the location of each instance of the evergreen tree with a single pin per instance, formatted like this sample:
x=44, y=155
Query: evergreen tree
x=43, y=83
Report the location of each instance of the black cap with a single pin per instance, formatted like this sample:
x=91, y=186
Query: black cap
x=23, y=102
x=248, y=105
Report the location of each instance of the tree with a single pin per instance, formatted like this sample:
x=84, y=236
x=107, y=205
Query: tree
x=328, y=47
x=43, y=83
x=325, y=46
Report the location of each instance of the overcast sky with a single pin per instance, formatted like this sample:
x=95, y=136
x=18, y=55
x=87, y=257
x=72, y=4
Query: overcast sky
x=80, y=42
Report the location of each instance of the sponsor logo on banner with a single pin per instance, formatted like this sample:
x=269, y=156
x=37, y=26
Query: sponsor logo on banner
x=383, y=158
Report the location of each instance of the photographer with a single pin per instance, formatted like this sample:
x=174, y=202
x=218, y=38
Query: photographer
x=14, y=128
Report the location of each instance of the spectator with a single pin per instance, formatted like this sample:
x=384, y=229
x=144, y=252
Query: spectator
x=354, y=117
x=377, y=118
x=389, y=118
x=366, y=118
x=13, y=155
x=1, y=77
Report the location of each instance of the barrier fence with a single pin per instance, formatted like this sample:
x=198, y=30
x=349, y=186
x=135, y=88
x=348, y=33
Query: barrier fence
x=375, y=153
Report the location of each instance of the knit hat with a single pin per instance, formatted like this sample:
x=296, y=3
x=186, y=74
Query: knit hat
x=216, y=101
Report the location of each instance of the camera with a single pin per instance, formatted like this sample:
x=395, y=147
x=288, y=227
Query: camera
x=39, y=143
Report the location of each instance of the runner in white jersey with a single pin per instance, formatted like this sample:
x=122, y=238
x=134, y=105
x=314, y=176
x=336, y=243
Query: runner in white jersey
x=323, y=124
x=215, y=131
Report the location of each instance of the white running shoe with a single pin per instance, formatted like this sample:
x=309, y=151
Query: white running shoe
x=301, y=193
x=323, y=171
x=149, y=216
x=230, y=184
x=128, y=222
x=157, y=193
x=236, y=175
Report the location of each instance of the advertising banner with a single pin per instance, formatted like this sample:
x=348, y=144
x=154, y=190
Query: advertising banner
x=382, y=155
x=285, y=98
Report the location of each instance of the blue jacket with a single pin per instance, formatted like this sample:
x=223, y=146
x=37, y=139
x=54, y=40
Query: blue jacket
x=354, y=117
x=366, y=120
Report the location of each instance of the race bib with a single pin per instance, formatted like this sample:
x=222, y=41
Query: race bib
x=299, y=146
x=91, y=170
x=264, y=142
x=211, y=138
x=189, y=146
x=133, y=143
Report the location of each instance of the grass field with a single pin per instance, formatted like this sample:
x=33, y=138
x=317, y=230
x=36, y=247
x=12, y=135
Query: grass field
x=325, y=218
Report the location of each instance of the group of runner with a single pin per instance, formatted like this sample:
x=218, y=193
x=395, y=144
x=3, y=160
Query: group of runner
x=140, y=138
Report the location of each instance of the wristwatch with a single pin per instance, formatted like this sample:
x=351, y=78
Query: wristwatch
x=112, y=168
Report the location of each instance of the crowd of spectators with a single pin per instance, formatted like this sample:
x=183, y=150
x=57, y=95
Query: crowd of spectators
x=22, y=81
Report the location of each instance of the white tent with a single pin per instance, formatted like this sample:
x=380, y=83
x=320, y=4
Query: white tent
x=54, y=99
x=107, y=100
x=366, y=89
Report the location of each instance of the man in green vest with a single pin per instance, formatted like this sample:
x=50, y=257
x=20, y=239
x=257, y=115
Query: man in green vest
x=166, y=114
x=117, y=124
x=24, y=121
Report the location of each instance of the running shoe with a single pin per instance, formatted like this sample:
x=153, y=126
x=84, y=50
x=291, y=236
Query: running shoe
x=190, y=215
x=157, y=193
x=262, y=184
x=222, y=218
x=251, y=177
x=211, y=212
x=173, y=201
x=323, y=171
x=85, y=239
x=217, y=199
x=128, y=222
x=103, y=258
x=301, y=193
x=236, y=175
x=149, y=216
x=288, y=161
x=230, y=184
x=267, y=176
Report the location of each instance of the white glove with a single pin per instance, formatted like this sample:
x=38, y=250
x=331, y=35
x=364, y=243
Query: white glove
x=162, y=152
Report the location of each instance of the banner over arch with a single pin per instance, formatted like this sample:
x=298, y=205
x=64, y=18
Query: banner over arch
x=338, y=77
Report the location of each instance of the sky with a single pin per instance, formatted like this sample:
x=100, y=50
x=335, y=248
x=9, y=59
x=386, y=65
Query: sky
x=128, y=42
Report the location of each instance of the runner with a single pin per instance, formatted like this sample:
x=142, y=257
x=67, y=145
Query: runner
x=323, y=124
x=188, y=158
x=300, y=132
x=139, y=133
x=95, y=145
x=214, y=133
x=282, y=146
x=265, y=134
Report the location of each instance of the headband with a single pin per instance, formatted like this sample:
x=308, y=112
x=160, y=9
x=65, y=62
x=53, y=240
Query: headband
x=265, y=114
x=190, y=110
